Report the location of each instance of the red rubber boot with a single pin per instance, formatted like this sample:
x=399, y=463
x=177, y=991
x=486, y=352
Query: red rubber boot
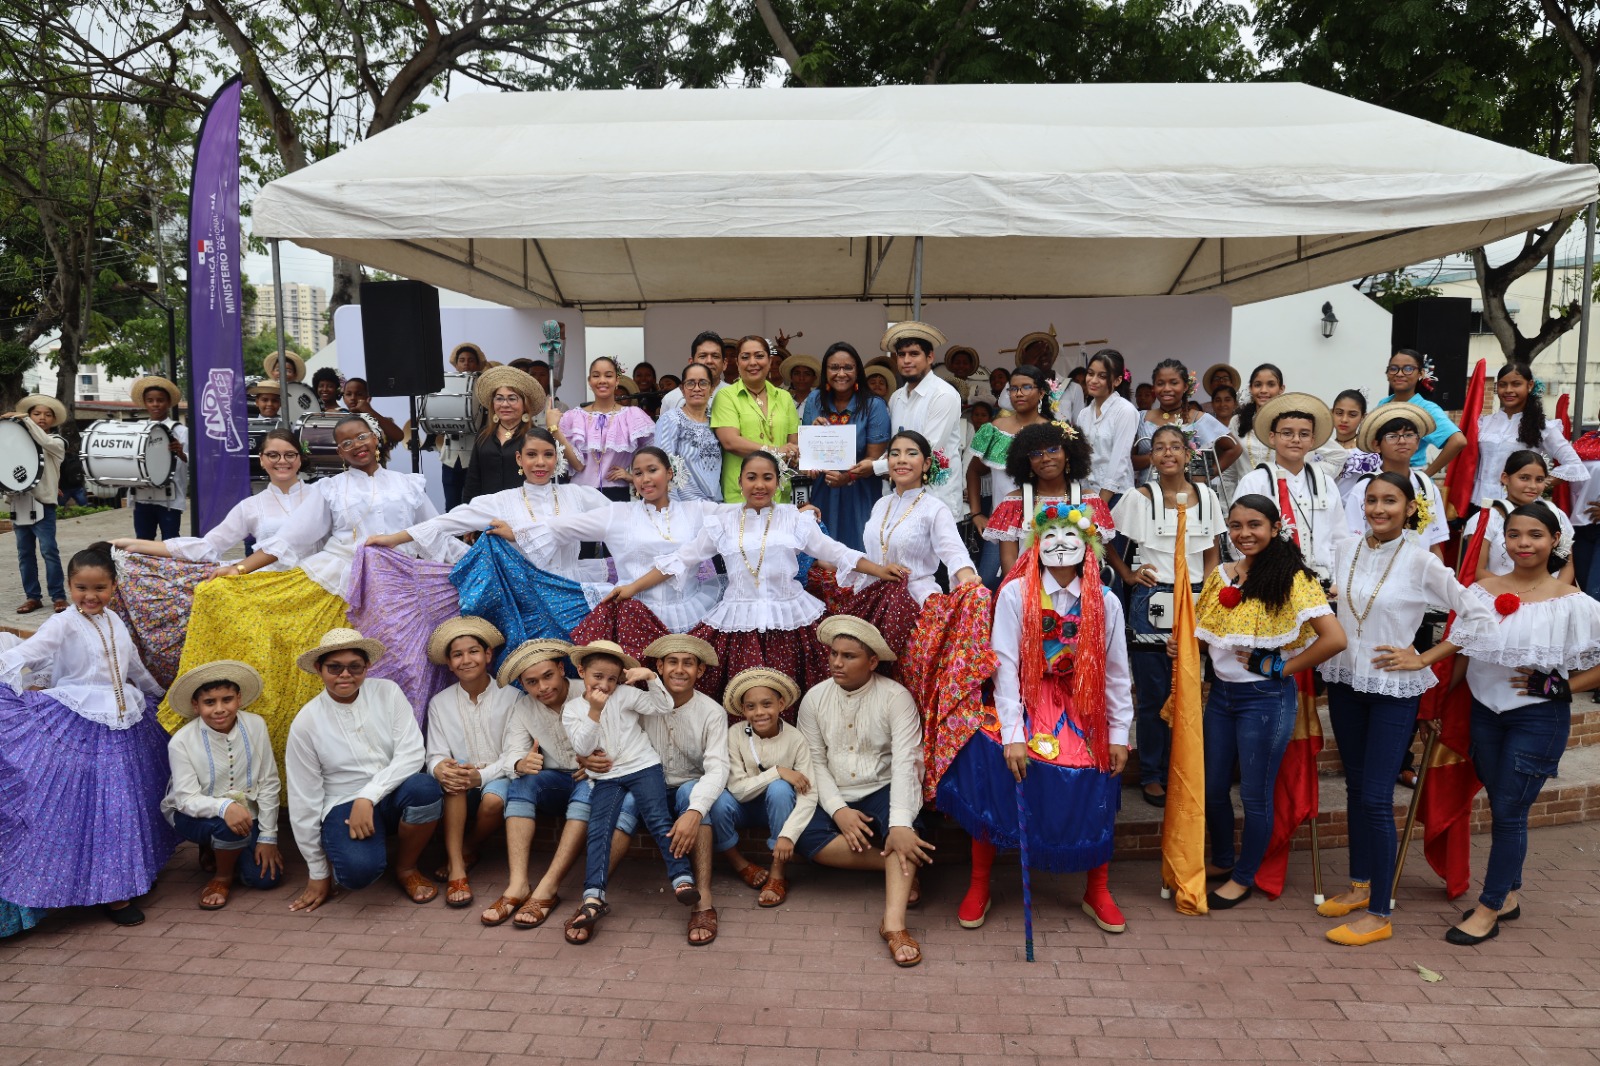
x=975, y=905
x=1098, y=904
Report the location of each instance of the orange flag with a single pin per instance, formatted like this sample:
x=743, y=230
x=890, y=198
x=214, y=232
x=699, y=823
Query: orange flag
x=1183, y=824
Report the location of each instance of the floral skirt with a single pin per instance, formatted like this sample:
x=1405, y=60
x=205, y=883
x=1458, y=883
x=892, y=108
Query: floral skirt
x=794, y=652
x=155, y=597
x=889, y=607
x=625, y=622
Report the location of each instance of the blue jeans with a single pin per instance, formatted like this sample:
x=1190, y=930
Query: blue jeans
x=43, y=534
x=79, y=496
x=771, y=809
x=553, y=792
x=358, y=863
x=1152, y=684
x=1585, y=539
x=454, y=479
x=648, y=787
x=723, y=818
x=148, y=517
x=1374, y=737
x=1250, y=722
x=1514, y=754
x=215, y=831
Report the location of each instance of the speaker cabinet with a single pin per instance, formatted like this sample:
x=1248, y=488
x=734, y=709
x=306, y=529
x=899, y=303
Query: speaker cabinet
x=1438, y=327
x=403, y=340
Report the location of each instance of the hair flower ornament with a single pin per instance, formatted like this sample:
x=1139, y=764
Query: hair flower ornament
x=1428, y=377
x=1538, y=389
x=785, y=471
x=1067, y=428
x=939, y=471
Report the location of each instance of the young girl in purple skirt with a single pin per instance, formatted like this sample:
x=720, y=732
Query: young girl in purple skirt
x=83, y=764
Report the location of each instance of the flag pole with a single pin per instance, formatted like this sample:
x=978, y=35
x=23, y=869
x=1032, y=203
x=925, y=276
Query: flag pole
x=1027, y=885
x=1432, y=727
x=1316, y=863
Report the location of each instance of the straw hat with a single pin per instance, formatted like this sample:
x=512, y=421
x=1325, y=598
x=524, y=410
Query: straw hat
x=625, y=383
x=580, y=655
x=264, y=385
x=848, y=625
x=451, y=628
x=1033, y=338
x=977, y=362
x=904, y=331
x=794, y=361
x=881, y=371
x=1301, y=402
x=468, y=346
x=269, y=365
x=681, y=644
x=181, y=695
x=1367, y=432
x=154, y=381
x=502, y=377
x=531, y=653
x=57, y=408
x=759, y=677
x=340, y=639
x=1231, y=372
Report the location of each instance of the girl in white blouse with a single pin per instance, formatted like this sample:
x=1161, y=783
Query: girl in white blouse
x=255, y=519
x=1110, y=422
x=1387, y=580
x=511, y=513
x=1520, y=423
x=1266, y=382
x=1522, y=674
x=83, y=764
x=1522, y=483
x=906, y=527
x=766, y=617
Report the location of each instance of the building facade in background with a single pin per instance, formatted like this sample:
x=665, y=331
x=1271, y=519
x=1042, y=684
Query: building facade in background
x=305, y=313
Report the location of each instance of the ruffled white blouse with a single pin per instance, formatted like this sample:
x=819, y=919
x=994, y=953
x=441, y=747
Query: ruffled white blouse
x=1404, y=592
x=71, y=648
x=259, y=517
x=1499, y=559
x=637, y=535
x=1562, y=634
x=520, y=508
x=762, y=554
x=1150, y=523
x=906, y=528
x=1497, y=439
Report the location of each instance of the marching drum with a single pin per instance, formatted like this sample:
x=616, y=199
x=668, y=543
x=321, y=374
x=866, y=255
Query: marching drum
x=317, y=443
x=258, y=430
x=24, y=459
x=302, y=399
x=128, y=454
x=453, y=410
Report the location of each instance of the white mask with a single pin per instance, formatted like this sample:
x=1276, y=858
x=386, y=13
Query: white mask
x=1061, y=546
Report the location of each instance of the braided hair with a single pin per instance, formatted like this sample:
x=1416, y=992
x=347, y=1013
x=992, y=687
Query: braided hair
x=1247, y=411
x=1270, y=578
x=1530, y=430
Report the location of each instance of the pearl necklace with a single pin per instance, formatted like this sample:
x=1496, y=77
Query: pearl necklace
x=666, y=512
x=109, y=647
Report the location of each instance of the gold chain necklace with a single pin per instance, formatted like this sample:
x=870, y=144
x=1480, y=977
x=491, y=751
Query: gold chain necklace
x=555, y=502
x=109, y=647
x=666, y=512
x=1349, y=582
x=764, y=413
x=755, y=571
x=886, y=532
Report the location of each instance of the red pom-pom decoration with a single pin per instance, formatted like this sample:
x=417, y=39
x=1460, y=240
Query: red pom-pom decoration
x=1507, y=603
x=1230, y=596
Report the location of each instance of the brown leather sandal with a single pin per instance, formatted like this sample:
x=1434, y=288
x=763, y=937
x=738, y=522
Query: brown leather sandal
x=534, y=912
x=586, y=921
x=702, y=922
x=897, y=939
x=754, y=876
x=453, y=893
x=29, y=606
x=776, y=887
x=502, y=909
x=215, y=887
x=418, y=889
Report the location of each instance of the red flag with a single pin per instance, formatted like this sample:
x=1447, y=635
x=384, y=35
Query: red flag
x=1295, y=795
x=1464, y=467
x=1562, y=493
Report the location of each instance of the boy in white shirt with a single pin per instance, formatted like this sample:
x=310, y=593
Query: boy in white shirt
x=606, y=717
x=225, y=787
x=770, y=772
x=466, y=723
x=1297, y=424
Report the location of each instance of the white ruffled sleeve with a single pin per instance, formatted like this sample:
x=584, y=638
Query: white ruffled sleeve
x=305, y=532
x=1474, y=622
x=541, y=540
x=819, y=545
x=1567, y=465
x=32, y=655
x=683, y=565
x=233, y=529
x=432, y=535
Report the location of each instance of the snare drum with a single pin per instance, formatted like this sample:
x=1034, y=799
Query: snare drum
x=316, y=441
x=453, y=410
x=24, y=459
x=129, y=454
x=258, y=430
x=302, y=400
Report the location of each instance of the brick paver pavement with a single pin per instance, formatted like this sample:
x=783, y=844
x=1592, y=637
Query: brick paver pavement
x=371, y=979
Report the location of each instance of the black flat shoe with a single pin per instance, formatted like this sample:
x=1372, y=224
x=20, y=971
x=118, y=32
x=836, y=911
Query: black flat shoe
x=129, y=915
x=1467, y=940
x=1154, y=799
x=1222, y=903
x=1505, y=916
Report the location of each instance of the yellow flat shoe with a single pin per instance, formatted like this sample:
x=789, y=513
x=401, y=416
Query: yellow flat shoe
x=1334, y=909
x=1343, y=935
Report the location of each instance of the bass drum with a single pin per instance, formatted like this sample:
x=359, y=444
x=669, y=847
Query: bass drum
x=302, y=402
x=128, y=454
x=316, y=441
x=453, y=410
x=24, y=459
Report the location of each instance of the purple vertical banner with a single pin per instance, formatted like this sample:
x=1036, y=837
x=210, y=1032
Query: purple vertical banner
x=219, y=441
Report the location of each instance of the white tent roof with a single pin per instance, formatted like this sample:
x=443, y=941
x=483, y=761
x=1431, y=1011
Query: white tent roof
x=610, y=201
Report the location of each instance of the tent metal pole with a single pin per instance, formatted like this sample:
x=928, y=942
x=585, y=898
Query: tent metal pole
x=916, y=283
x=1578, y=416
x=283, y=362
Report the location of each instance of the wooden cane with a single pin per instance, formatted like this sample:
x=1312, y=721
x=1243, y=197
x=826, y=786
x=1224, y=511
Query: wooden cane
x=1432, y=740
x=1316, y=863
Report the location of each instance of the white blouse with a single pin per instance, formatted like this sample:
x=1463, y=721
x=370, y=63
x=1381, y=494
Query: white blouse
x=1585, y=493
x=212, y=770
x=918, y=536
x=471, y=731
x=340, y=513
x=1415, y=580
x=531, y=722
x=1252, y=453
x=524, y=506
x=1562, y=635
x=258, y=518
x=1437, y=531
x=1497, y=439
x=1150, y=523
x=618, y=732
x=763, y=562
x=1111, y=431
x=70, y=647
x=1499, y=559
x=636, y=535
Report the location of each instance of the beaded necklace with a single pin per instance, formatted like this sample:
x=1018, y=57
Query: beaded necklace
x=650, y=510
x=755, y=571
x=886, y=532
x=109, y=647
x=555, y=502
x=1349, y=582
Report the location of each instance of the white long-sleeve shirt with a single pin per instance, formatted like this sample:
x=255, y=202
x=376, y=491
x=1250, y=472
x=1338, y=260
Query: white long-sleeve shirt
x=211, y=771
x=618, y=732
x=861, y=741
x=1318, y=514
x=340, y=752
x=472, y=732
x=1497, y=439
x=259, y=517
x=1007, y=638
x=918, y=536
x=70, y=648
x=530, y=721
x=753, y=764
x=1437, y=531
x=932, y=407
x=1111, y=431
x=693, y=744
x=524, y=507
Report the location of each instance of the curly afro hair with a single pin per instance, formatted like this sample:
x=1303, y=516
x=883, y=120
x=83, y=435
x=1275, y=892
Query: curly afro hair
x=1019, y=465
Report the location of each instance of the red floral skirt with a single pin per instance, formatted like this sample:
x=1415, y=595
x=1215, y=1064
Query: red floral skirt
x=794, y=652
x=625, y=622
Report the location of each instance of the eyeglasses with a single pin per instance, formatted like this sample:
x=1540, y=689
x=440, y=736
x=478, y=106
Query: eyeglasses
x=697, y=384
x=355, y=669
x=1403, y=371
x=359, y=439
x=1042, y=453
x=1294, y=434
x=279, y=457
x=507, y=399
x=1402, y=437
x=1023, y=388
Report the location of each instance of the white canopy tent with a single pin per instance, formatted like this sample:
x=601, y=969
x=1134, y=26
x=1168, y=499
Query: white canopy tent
x=611, y=201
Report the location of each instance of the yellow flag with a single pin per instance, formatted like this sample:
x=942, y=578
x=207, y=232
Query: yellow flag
x=1183, y=824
